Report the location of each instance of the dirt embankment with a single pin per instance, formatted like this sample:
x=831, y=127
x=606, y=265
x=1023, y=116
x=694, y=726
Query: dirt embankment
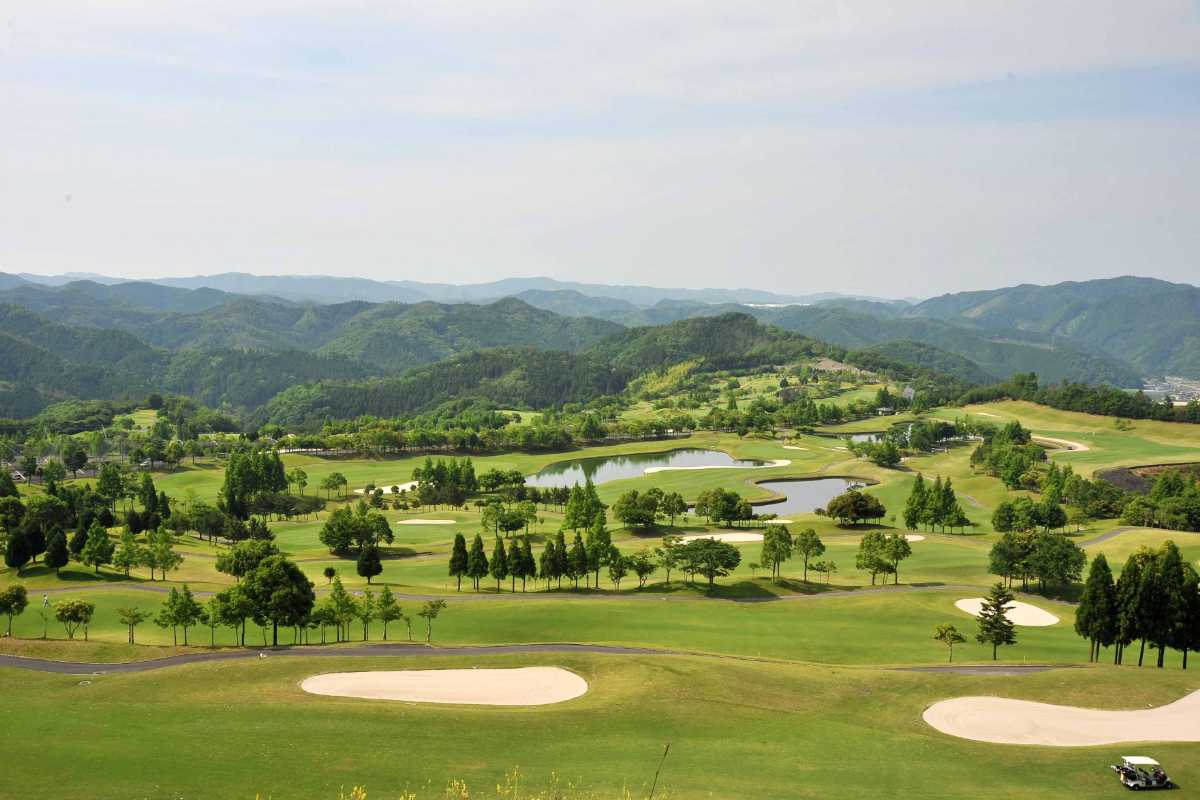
x=1140, y=479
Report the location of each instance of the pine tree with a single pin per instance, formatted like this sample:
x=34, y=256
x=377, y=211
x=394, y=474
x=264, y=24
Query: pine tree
x=16, y=553
x=1096, y=617
x=995, y=628
x=573, y=515
x=477, y=563
x=546, y=563
x=579, y=560
x=56, y=552
x=932, y=515
x=499, y=562
x=562, y=559
x=1167, y=604
x=1129, y=598
x=458, y=559
x=914, y=508
x=387, y=609
x=99, y=548
x=528, y=565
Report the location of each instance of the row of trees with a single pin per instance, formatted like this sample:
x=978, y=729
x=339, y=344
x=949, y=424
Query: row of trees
x=1155, y=601
x=1051, y=558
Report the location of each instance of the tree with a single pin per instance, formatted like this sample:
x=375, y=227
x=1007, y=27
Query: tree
x=854, y=507
x=599, y=545
x=808, y=545
x=710, y=558
x=1096, y=617
x=949, y=636
x=369, y=564
x=1166, y=604
x=672, y=506
x=995, y=628
x=668, y=554
x=914, y=507
x=364, y=609
x=776, y=548
x=477, y=563
x=642, y=564
x=56, y=552
x=618, y=568
x=498, y=565
x=429, y=612
x=74, y=614
x=53, y=473
x=74, y=457
x=387, y=609
x=873, y=555
x=895, y=549
x=636, y=511
x=280, y=592
x=236, y=606
x=168, y=614
x=459, y=560
x=329, y=573
x=1055, y=560
x=13, y=602
x=17, y=551
x=131, y=617
x=244, y=557
x=578, y=563
x=99, y=548
x=128, y=553
x=1130, y=602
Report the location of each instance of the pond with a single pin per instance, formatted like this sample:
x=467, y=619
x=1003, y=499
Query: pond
x=602, y=469
x=803, y=495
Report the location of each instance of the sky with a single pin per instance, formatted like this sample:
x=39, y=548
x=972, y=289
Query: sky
x=894, y=149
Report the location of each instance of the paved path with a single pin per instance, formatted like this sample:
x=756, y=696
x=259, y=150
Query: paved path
x=1104, y=537
x=385, y=650
x=986, y=669
x=564, y=595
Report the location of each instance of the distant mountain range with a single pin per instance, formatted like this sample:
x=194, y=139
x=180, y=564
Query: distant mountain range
x=249, y=338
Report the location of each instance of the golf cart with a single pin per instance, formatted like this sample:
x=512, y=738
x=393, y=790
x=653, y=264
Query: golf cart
x=1140, y=772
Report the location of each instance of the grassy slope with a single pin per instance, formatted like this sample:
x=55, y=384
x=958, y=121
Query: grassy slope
x=786, y=730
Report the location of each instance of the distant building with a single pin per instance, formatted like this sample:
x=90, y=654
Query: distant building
x=885, y=411
x=909, y=393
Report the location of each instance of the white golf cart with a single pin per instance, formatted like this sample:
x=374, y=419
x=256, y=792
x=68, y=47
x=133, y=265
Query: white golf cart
x=1140, y=772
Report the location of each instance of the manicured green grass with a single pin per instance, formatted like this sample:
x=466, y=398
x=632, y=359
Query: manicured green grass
x=736, y=729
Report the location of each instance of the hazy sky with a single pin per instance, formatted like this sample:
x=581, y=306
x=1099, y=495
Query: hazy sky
x=882, y=147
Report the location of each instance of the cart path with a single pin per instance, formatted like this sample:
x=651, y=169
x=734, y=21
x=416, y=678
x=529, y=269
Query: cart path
x=1104, y=537
x=409, y=650
x=384, y=650
x=565, y=595
x=987, y=669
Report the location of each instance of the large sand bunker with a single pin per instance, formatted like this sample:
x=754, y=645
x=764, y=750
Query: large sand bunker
x=523, y=686
x=996, y=719
x=732, y=538
x=914, y=537
x=1019, y=613
x=426, y=522
x=387, y=487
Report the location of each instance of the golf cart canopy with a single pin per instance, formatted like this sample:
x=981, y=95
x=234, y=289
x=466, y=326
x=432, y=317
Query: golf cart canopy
x=1139, y=761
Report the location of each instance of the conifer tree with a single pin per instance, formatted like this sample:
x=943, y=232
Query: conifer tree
x=995, y=628
x=1096, y=617
x=477, y=563
x=914, y=508
x=499, y=562
x=56, y=552
x=458, y=560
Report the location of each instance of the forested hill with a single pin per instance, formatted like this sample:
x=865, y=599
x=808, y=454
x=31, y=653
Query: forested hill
x=526, y=378
x=1151, y=324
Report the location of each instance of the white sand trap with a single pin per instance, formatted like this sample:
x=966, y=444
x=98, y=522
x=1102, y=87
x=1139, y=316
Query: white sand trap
x=387, y=487
x=1067, y=443
x=779, y=462
x=524, y=686
x=996, y=719
x=914, y=537
x=426, y=522
x=732, y=538
x=987, y=414
x=1020, y=613
x=794, y=447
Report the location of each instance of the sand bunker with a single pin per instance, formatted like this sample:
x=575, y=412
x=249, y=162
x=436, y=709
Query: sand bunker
x=426, y=522
x=524, y=686
x=986, y=414
x=996, y=719
x=1020, y=613
x=914, y=537
x=793, y=447
x=1067, y=443
x=733, y=538
x=387, y=487
x=779, y=462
